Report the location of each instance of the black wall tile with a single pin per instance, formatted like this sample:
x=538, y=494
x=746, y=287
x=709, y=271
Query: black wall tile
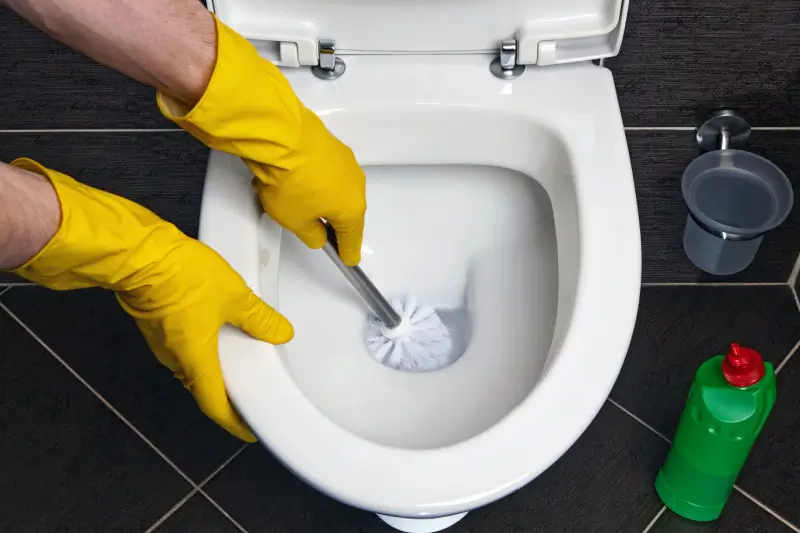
x=658, y=159
x=683, y=58
x=162, y=171
x=46, y=84
x=197, y=515
x=739, y=515
x=678, y=328
x=603, y=484
x=89, y=330
x=69, y=464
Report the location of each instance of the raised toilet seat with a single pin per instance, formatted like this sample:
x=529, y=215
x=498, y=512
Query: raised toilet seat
x=466, y=173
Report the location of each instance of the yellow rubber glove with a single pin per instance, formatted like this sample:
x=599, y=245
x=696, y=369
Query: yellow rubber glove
x=179, y=291
x=303, y=173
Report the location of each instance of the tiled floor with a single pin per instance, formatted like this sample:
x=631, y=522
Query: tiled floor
x=100, y=437
x=96, y=436
x=69, y=462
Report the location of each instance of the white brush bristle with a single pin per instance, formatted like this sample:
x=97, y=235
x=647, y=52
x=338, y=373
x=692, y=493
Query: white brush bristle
x=421, y=343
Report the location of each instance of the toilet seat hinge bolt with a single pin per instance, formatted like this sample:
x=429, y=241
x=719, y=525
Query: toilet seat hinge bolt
x=508, y=54
x=330, y=66
x=505, y=65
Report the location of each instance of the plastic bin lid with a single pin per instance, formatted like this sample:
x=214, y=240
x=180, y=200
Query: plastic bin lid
x=547, y=31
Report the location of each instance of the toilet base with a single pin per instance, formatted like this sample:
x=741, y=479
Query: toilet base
x=421, y=525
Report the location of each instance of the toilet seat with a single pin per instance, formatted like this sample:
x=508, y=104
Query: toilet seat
x=441, y=109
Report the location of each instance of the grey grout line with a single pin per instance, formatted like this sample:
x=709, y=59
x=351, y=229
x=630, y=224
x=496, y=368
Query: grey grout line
x=794, y=293
x=223, y=465
x=101, y=130
x=221, y=510
x=172, y=130
x=4, y=290
x=171, y=511
x=717, y=284
x=655, y=519
x=659, y=128
x=692, y=128
x=98, y=395
x=642, y=422
x=795, y=269
x=788, y=356
x=765, y=508
x=775, y=128
x=17, y=284
x=194, y=491
x=796, y=298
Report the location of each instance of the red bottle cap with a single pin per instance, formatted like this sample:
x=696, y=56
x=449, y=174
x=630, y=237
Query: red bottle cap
x=742, y=366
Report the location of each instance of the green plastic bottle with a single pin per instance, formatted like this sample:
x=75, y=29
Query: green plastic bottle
x=728, y=404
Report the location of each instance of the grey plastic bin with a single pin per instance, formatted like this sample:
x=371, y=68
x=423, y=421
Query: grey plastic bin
x=734, y=197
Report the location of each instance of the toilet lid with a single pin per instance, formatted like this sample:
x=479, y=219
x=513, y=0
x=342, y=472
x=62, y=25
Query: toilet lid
x=547, y=31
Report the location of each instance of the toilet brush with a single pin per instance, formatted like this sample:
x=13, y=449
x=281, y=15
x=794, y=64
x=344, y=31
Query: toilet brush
x=401, y=334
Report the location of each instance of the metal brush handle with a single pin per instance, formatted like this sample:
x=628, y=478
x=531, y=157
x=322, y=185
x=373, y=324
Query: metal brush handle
x=361, y=283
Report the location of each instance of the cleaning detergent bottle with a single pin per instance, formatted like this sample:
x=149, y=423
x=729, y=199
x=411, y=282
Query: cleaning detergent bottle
x=728, y=404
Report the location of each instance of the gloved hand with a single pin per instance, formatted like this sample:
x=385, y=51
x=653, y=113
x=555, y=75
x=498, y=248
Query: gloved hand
x=302, y=172
x=178, y=290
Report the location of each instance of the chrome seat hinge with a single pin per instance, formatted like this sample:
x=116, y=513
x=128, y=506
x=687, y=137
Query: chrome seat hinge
x=330, y=67
x=505, y=65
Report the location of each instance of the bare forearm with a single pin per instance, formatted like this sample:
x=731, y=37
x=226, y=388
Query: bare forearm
x=29, y=215
x=169, y=44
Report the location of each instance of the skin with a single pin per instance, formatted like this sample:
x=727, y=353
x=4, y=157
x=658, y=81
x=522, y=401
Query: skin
x=29, y=215
x=179, y=32
x=144, y=39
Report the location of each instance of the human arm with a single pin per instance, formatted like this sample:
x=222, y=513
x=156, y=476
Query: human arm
x=213, y=83
x=167, y=44
x=179, y=291
x=29, y=215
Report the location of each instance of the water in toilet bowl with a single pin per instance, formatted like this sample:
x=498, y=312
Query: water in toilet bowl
x=478, y=244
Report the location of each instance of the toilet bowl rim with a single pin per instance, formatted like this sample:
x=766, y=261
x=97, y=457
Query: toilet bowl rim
x=613, y=277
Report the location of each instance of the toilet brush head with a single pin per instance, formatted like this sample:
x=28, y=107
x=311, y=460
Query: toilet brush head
x=421, y=343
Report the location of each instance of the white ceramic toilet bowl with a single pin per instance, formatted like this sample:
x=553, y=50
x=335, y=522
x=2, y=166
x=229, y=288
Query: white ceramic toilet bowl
x=510, y=201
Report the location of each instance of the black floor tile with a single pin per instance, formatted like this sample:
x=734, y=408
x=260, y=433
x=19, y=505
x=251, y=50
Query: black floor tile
x=261, y=495
x=681, y=58
x=739, y=516
x=602, y=484
x=46, y=84
x=658, y=160
x=771, y=473
x=678, y=328
x=164, y=172
x=68, y=463
x=797, y=280
x=7, y=277
x=197, y=515
x=93, y=334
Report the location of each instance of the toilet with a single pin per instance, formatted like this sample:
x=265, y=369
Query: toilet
x=499, y=191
